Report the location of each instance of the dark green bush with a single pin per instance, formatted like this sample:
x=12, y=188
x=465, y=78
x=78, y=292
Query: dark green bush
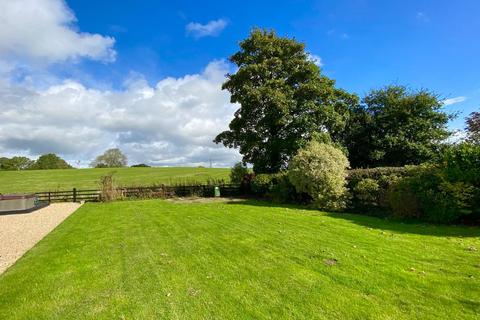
x=368, y=188
x=462, y=164
x=283, y=191
x=429, y=194
x=445, y=191
x=402, y=200
x=262, y=183
x=367, y=191
x=460, y=167
x=355, y=175
x=238, y=173
x=276, y=187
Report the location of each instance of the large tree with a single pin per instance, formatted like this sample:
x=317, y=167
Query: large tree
x=112, y=158
x=395, y=126
x=50, y=161
x=473, y=127
x=284, y=101
x=15, y=163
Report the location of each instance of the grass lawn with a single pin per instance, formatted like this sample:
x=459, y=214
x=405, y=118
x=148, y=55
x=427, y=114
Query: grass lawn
x=163, y=260
x=51, y=180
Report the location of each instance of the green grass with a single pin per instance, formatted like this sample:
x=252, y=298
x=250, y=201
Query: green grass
x=51, y=180
x=164, y=260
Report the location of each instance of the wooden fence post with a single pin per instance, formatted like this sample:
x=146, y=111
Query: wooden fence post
x=74, y=194
x=49, y=197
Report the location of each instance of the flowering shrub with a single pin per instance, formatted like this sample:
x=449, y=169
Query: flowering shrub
x=320, y=170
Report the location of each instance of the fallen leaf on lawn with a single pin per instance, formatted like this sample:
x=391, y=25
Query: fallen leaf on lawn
x=193, y=292
x=330, y=262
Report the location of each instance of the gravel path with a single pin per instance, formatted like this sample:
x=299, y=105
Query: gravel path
x=20, y=232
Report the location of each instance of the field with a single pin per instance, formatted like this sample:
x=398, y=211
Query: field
x=51, y=180
x=242, y=260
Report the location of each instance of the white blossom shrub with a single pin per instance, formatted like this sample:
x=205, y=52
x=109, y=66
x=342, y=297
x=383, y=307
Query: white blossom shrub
x=320, y=170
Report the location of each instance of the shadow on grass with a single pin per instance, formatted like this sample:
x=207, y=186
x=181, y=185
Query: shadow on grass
x=407, y=227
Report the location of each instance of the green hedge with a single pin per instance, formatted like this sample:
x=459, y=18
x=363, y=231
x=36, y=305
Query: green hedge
x=368, y=188
x=356, y=175
x=276, y=187
x=445, y=191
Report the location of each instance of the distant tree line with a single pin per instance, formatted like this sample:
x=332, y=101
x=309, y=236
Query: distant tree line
x=46, y=161
x=111, y=158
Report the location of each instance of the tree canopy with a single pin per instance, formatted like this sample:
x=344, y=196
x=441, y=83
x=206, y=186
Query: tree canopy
x=15, y=163
x=50, y=161
x=112, y=158
x=395, y=126
x=284, y=100
x=473, y=127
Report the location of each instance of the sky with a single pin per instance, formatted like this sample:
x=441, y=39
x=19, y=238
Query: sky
x=78, y=77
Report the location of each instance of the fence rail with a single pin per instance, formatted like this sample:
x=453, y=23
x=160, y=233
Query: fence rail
x=75, y=195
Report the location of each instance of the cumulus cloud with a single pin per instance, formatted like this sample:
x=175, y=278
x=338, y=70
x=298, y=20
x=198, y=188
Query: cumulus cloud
x=455, y=100
x=44, y=30
x=212, y=28
x=171, y=123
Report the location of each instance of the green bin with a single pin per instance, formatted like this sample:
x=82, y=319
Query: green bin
x=217, y=192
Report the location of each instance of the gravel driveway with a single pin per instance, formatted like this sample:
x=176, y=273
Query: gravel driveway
x=20, y=232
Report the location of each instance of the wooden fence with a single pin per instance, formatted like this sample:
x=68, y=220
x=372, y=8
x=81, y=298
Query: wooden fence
x=162, y=192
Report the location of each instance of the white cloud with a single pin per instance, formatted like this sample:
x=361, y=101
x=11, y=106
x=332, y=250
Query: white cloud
x=457, y=136
x=212, y=28
x=455, y=100
x=171, y=123
x=422, y=16
x=45, y=31
x=337, y=34
x=315, y=59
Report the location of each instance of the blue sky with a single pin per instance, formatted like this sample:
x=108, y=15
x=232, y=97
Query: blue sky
x=363, y=44
x=114, y=70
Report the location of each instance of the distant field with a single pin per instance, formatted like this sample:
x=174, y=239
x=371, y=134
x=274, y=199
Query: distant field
x=50, y=180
